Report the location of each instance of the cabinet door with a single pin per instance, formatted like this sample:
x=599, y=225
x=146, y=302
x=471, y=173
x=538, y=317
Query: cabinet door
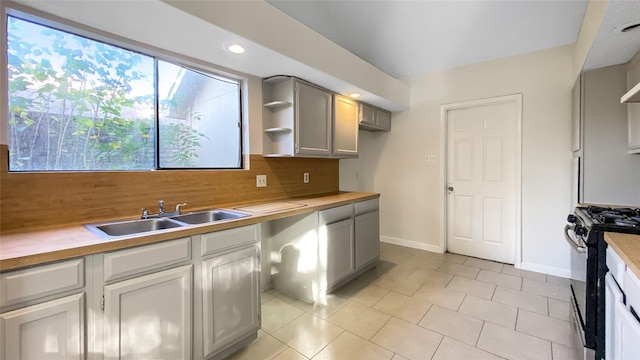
x=634, y=127
x=51, y=330
x=367, y=115
x=367, y=238
x=629, y=334
x=313, y=120
x=230, y=298
x=345, y=127
x=613, y=296
x=339, y=251
x=576, y=117
x=149, y=317
x=383, y=119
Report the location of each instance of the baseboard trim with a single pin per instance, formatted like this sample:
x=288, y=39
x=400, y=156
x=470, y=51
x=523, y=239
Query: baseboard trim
x=551, y=270
x=411, y=244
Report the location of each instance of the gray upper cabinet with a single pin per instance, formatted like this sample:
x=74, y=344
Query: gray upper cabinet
x=576, y=117
x=345, y=127
x=632, y=99
x=367, y=116
x=313, y=120
x=296, y=119
x=373, y=118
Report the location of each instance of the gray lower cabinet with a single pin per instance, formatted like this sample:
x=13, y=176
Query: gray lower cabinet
x=339, y=255
x=231, y=299
x=150, y=316
x=335, y=247
x=318, y=253
x=49, y=330
x=367, y=239
x=42, y=312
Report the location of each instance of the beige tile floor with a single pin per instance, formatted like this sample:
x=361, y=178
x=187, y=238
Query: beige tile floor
x=421, y=305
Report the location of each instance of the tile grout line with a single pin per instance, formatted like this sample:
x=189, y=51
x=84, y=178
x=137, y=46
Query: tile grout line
x=437, y=347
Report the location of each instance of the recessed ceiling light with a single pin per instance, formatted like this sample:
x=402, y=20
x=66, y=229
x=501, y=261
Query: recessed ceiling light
x=355, y=95
x=236, y=49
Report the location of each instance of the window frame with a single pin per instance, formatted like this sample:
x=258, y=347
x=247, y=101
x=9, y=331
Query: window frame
x=158, y=54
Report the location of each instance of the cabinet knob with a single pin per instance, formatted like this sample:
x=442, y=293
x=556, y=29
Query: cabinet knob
x=450, y=188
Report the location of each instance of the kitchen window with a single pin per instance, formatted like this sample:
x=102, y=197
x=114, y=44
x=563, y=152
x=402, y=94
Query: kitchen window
x=77, y=104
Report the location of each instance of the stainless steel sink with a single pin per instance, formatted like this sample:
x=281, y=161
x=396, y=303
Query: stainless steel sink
x=132, y=227
x=208, y=216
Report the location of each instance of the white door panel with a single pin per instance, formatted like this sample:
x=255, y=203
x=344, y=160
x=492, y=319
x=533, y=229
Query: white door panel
x=50, y=330
x=149, y=317
x=481, y=176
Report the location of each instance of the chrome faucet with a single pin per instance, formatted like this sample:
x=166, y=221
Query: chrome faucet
x=161, y=212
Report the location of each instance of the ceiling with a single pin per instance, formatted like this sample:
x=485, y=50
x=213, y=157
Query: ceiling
x=405, y=38
x=323, y=41
x=611, y=46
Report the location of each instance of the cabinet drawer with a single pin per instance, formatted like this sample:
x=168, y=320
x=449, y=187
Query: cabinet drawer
x=616, y=266
x=367, y=206
x=40, y=281
x=220, y=240
x=336, y=214
x=144, y=258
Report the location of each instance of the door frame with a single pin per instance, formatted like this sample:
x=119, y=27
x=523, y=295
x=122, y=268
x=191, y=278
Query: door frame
x=516, y=99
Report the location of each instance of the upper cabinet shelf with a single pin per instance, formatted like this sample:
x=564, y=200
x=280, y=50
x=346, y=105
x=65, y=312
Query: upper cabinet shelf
x=277, y=130
x=277, y=104
x=632, y=95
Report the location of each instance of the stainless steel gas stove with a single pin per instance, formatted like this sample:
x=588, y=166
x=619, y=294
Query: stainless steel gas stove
x=585, y=233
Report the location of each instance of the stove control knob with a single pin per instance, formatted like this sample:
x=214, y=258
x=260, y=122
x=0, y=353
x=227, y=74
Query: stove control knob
x=571, y=218
x=580, y=230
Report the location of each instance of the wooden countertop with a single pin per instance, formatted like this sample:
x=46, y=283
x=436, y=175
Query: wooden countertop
x=31, y=248
x=628, y=247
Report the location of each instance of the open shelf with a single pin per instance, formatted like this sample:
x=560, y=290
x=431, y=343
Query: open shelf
x=277, y=130
x=632, y=95
x=277, y=104
x=277, y=155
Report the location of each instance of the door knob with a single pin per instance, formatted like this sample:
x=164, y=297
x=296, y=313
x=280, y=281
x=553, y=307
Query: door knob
x=450, y=188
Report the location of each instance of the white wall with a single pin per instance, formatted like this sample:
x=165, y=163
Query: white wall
x=393, y=164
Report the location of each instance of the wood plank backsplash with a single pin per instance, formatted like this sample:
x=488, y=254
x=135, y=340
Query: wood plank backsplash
x=31, y=201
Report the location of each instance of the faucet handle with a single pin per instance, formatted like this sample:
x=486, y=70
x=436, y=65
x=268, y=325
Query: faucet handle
x=178, y=207
x=161, y=206
x=145, y=214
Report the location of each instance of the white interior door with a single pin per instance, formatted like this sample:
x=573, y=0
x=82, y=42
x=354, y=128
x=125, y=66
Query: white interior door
x=483, y=160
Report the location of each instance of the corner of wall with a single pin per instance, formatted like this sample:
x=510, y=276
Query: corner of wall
x=588, y=31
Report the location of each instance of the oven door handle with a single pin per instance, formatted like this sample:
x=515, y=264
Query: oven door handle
x=574, y=245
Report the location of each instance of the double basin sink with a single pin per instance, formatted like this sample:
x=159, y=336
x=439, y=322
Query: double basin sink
x=133, y=227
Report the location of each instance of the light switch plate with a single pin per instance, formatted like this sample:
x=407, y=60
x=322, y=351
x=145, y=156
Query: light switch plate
x=261, y=180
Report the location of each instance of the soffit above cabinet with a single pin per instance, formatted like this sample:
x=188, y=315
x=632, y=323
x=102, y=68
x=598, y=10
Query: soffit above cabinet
x=202, y=29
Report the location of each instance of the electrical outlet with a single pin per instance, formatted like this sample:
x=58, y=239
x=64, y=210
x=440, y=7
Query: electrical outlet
x=430, y=157
x=306, y=178
x=261, y=180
